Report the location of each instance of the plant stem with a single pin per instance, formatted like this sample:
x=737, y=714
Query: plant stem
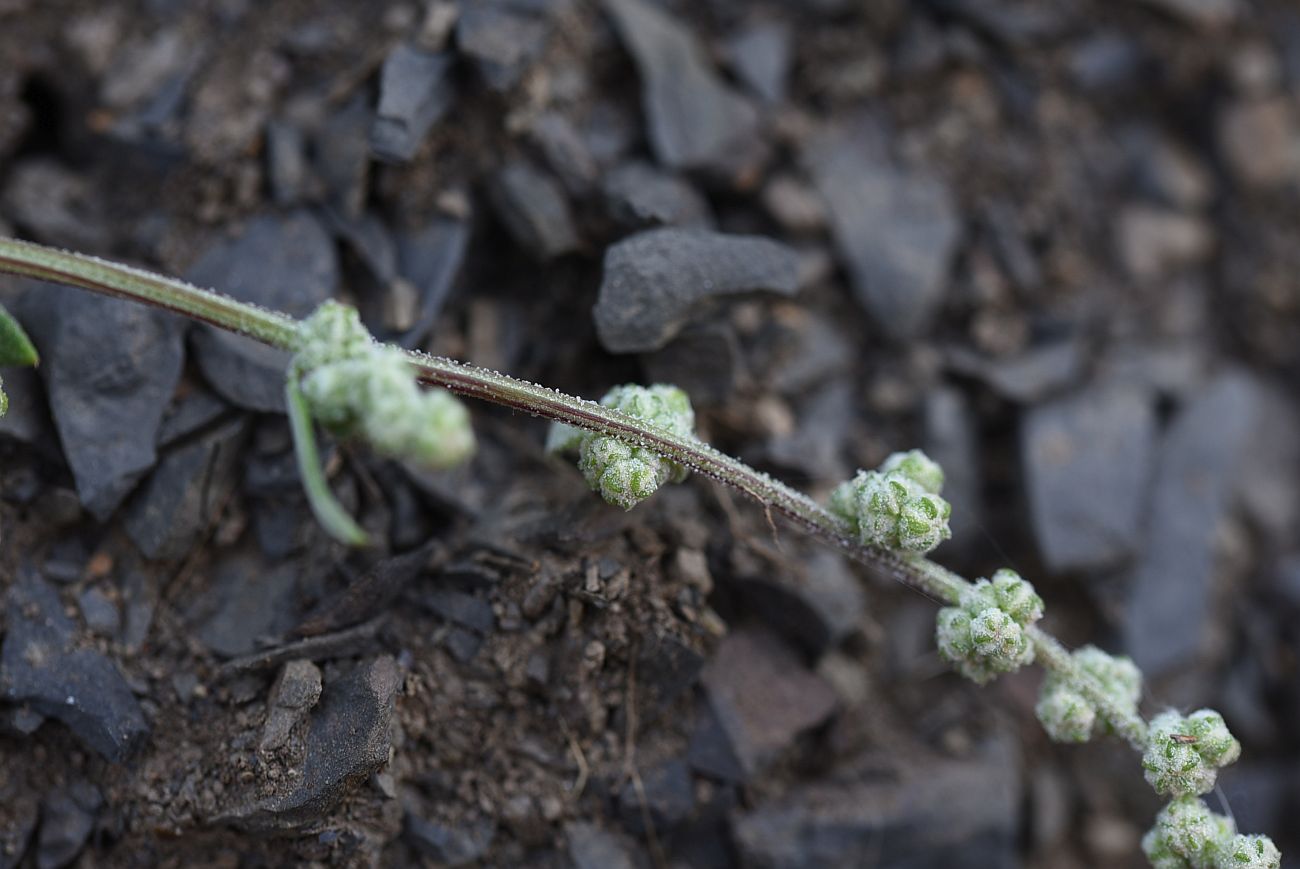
x=279, y=330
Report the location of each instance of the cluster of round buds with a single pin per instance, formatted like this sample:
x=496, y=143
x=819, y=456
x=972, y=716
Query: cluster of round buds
x=622, y=473
x=1187, y=835
x=1067, y=715
x=898, y=505
x=358, y=388
x=985, y=634
x=1183, y=754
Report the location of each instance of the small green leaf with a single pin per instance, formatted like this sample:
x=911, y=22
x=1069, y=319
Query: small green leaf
x=16, y=350
x=329, y=512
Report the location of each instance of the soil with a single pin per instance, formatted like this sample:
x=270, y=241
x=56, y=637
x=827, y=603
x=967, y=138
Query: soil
x=1053, y=243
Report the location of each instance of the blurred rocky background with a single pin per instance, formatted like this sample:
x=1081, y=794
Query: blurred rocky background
x=1056, y=243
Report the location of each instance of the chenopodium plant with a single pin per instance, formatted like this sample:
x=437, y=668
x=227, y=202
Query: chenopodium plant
x=637, y=440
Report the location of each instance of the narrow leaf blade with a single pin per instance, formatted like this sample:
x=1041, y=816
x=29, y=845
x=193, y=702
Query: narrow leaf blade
x=16, y=350
x=329, y=512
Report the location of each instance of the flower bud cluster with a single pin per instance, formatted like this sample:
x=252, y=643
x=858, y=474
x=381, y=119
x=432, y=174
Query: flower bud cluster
x=1187, y=835
x=1184, y=753
x=1067, y=715
x=985, y=635
x=358, y=388
x=897, y=506
x=622, y=473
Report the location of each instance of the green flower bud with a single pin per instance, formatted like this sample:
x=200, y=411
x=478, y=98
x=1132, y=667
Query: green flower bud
x=898, y=506
x=1248, y=852
x=623, y=474
x=1067, y=715
x=1183, y=754
x=918, y=467
x=985, y=635
x=1185, y=835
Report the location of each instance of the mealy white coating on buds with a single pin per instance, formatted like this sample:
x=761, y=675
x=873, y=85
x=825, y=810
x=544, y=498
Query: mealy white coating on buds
x=897, y=506
x=985, y=635
x=1067, y=715
x=622, y=473
x=1183, y=754
x=1187, y=835
x=358, y=388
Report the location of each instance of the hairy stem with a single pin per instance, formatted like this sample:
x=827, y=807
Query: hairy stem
x=279, y=330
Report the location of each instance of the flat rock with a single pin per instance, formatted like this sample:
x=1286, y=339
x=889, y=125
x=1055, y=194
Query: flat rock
x=695, y=120
x=591, y=847
x=185, y=492
x=1087, y=462
x=950, y=813
x=294, y=693
x=763, y=696
x=705, y=360
x=110, y=370
x=667, y=793
x=654, y=282
x=286, y=263
x=952, y=440
x=41, y=666
x=566, y=151
x=455, y=845
x=415, y=92
x=67, y=819
x=349, y=739
x=1195, y=481
x=1031, y=376
x=814, y=610
x=502, y=38
x=897, y=228
x=247, y=605
x=639, y=195
x=430, y=258
x=761, y=54
x=534, y=209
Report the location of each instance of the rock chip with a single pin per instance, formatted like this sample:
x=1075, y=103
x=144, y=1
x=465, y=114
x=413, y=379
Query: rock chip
x=41, y=666
x=639, y=195
x=502, y=38
x=656, y=281
x=429, y=258
x=1195, y=479
x=67, y=820
x=813, y=611
x=247, y=605
x=295, y=692
x=897, y=228
x=415, y=92
x=959, y=814
x=185, y=492
x=951, y=439
x=110, y=369
x=763, y=696
x=1087, y=462
x=761, y=55
x=449, y=845
x=669, y=797
x=534, y=209
x=284, y=263
x=349, y=739
x=695, y=120
x=591, y=847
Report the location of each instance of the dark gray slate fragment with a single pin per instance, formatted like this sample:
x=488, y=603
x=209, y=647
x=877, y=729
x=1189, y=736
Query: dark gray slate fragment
x=1033, y=375
x=814, y=447
x=534, y=209
x=185, y=492
x=27, y=419
x=639, y=195
x=41, y=666
x=711, y=752
x=341, y=156
x=655, y=281
x=415, y=92
x=286, y=162
x=763, y=696
x=294, y=693
x=99, y=612
x=67, y=819
x=430, y=258
x=18, y=823
x=502, y=38
x=110, y=369
x=460, y=608
x=897, y=229
x=349, y=739
x=566, y=151
x=249, y=604
x=197, y=410
x=761, y=56
x=694, y=119
x=705, y=360
x=284, y=263
x=666, y=668
x=1087, y=460
x=959, y=814
x=1195, y=481
x=591, y=847
x=951, y=440
x=814, y=611
x=669, y=796
x=449, y=845
x=1106, y=62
